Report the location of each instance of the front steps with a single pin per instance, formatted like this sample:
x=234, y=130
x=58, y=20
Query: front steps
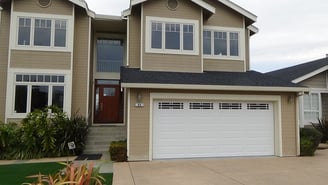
x=100, y=137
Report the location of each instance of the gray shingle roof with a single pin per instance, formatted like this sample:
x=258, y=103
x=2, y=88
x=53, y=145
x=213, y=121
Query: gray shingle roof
x=294, y=72
x=250, y=78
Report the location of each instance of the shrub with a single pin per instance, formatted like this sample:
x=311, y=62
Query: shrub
x=43, y=134
x=9, y=139
x=72, y=174
x=310, y=139
x=118, y=151
x=322, y=127
x=74, y=129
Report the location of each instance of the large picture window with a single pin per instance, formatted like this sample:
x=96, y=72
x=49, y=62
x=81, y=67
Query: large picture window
x=42, y=32
x=110, y=53
x=311, y=107
x=36, y=91
x=221, y=43
x=175, y=36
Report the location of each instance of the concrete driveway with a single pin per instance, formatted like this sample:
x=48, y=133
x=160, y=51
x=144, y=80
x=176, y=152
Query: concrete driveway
x=226, y=171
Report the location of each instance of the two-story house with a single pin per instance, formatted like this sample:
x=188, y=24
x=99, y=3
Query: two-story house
x=173, y=74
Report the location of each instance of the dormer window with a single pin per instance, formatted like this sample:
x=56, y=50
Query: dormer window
x=173, y=36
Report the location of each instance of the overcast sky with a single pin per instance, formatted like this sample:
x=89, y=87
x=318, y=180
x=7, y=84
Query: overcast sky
x=291, y=31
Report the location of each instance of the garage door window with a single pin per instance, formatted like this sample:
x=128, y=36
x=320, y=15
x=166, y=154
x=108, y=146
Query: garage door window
x=258, y=106
x=200, y=105
x=170, y=105
x=230, y=106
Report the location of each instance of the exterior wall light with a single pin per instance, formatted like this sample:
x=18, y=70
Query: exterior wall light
x=139, y=100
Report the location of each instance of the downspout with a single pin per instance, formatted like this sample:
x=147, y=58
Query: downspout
x=0, y=13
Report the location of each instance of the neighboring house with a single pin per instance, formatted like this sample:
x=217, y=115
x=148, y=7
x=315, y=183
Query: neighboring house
x=313, y=105
x=174, y=74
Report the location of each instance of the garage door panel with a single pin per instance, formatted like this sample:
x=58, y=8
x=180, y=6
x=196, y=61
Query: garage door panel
x=242, y=130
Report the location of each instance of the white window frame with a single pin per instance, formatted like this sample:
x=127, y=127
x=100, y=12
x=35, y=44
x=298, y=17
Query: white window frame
x=15, y=29
x=307, y=122
x=228, y=30
x=11, y=90
x=180, y=51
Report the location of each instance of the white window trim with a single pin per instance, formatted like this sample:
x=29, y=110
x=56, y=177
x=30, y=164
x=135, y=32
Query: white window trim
x=15, y=26
x=241, y=42
x=11, y=86
x=307, y=122
x=195, y=50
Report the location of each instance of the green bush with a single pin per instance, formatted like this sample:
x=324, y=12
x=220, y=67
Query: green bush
x=43, y=134
x=310, y=139
x=322, y=127
x=9, y=139
x=118, y=151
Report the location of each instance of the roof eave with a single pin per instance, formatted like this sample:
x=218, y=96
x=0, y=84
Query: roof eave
x=253, y=29
x=214, y=87
x=309, y=75
x=239, y=9
x=84, y=5
x=107, y=17
x=201, y=3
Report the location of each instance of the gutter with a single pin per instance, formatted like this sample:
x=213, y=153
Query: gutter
x=300, y=90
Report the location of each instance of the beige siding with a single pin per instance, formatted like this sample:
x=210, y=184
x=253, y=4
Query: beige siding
x=223, y=65
x=140, y=120
x=224, y=16
x=324, y=101
x=288, y=117
x=40, y=59
x=139, y=126
x=134, y=38
x=80, y=63
x=178, y=63
x=62, y=7
x=317, y=81
x=4, y=40
x=169, y=62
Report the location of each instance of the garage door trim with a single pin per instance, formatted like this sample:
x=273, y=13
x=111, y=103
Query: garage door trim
x=276, y=100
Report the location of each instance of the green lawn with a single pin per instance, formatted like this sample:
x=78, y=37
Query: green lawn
x=15, y=174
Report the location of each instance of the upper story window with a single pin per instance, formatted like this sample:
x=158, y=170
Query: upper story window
x=223, y=43
x=42, y=32
x=173, y=36
x=110, y=53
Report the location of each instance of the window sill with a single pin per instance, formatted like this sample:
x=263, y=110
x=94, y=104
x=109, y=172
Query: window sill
x=222, y=58
x=34, y=48
x=171, y=52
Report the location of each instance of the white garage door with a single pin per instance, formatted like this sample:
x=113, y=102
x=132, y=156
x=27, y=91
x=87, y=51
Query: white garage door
x=188, y=129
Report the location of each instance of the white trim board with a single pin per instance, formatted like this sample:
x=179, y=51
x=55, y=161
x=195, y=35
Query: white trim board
x=206, y=6
x=84, y=5
x=309, y=75
x=200, y=3
x=213, y=87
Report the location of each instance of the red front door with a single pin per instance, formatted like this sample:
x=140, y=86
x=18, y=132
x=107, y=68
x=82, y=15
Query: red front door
x=107, y=104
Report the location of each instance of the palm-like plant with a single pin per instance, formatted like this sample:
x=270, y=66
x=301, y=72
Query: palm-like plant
x=72, y=175
x=322, y=127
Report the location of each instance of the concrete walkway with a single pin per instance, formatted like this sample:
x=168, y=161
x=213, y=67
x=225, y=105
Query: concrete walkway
x=226, y=171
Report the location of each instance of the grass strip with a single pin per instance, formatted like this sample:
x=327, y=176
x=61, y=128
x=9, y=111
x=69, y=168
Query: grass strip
x=15, y=174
